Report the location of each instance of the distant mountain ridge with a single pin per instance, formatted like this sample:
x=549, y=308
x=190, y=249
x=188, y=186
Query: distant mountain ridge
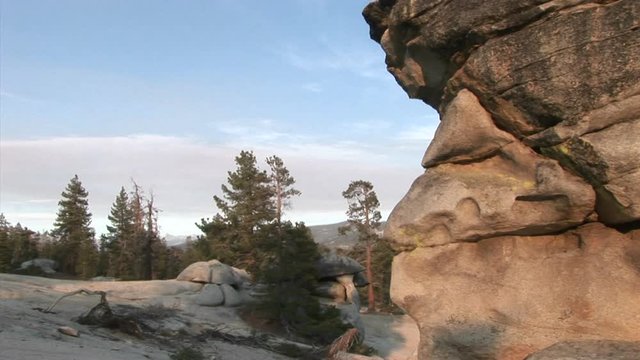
x=329, y=236
x=326, y=235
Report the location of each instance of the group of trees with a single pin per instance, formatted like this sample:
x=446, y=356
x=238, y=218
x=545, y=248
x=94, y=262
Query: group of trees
x=17, y=244
x=131, y=248
x=247, y=232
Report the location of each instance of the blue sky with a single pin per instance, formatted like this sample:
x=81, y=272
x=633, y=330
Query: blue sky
x=168, y=92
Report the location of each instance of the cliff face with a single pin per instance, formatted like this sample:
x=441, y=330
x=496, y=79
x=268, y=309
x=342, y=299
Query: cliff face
x=523, y=230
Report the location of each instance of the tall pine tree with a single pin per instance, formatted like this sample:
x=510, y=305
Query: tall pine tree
x=6, y=248
x=119, y=238
x=281, y=184
x=76, y=250
x=364, y=217
x=245, y=206
x=150, y=240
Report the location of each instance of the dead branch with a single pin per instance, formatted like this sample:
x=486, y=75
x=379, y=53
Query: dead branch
x=103, y=298
x=343, y=343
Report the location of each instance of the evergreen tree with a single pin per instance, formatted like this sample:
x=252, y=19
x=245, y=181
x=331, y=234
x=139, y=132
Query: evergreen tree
x=166, y=260
x=201, y=249
x=6, y=248
x=287, y=268
x=119, y=238
x=381, y=258
x=249, y=233
x=76, y=250
x=364, y=217
x=137, y=206
x=150, y=238
x=102, y=268
x=132, y=238
x=245, y=206
x=46, y=245
x=24, y=244
x=281, y=183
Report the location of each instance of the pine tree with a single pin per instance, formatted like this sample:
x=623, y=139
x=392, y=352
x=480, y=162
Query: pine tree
x=287, y=268
x=139, y=231
x=24, y=245
x=6, y=248
x=281, y=183
x=132, y=239
x=76, y=250
x=119, y=238
x=245, y=206
x=150, y=240
x=364, y=217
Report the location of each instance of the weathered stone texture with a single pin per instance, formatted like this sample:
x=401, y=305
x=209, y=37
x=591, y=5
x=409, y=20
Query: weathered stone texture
x=505, y=297
x=508, y=238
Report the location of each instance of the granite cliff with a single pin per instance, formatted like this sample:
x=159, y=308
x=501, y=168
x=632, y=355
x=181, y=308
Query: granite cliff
x=524, y=229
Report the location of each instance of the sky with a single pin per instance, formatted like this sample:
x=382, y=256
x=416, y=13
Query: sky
x=168, y=92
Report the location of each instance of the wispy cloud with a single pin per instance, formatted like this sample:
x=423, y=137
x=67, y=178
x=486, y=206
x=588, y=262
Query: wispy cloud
x=327, y=56
x=313, y=87
x=371, y=125
x=17, y=97
x=184, y=173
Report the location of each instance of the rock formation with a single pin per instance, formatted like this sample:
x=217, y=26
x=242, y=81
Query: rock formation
x=338, y=277
x=524, y=229
x=223, y=284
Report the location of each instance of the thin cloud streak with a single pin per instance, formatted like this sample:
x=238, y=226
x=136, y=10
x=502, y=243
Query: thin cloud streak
x=313, y=87
x=17, y=97
x=364, y=63
x=183, y=174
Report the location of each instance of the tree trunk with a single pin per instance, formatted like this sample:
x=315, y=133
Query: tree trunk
x=371, y=295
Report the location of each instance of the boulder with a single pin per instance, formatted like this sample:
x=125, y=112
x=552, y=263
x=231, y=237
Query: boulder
x=213, y=272
x=516, y=192
x=210, y=295
x=350, y=289
x=360, y=279
x=331, y=290
x=197, y=272
x=333, y=265
x=222, y=273
x=455, y=143
x=231, y=296
x=589, y=350
x=47, y=266
x=242, y=276
x=68, y=331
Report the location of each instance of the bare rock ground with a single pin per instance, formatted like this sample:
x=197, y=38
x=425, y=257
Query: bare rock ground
x=171, y=318
x=395, y=337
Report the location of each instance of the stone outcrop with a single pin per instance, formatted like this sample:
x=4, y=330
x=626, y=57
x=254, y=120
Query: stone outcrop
x=214, y=272
x=522, y=231
x=223, y=284
x=338, y=278
x=47, y=266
